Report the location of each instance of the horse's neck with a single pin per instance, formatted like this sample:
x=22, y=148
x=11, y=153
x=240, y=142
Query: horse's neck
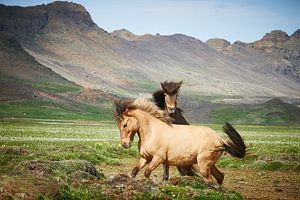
x=145, y=122
x=178, y=117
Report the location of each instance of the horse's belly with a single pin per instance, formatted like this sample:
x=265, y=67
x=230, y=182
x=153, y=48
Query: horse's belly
x=183, y=160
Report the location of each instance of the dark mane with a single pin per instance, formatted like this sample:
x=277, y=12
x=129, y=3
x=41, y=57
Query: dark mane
x=171, y=88
x=159, y=99
x=121, y=105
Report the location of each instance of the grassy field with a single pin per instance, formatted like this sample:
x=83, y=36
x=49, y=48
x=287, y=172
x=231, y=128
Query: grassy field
x=272, y=112
x=46, y=109
x=43, y=159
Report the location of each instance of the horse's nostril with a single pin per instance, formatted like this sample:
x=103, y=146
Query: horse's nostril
x=171, y=110
x=126, y=145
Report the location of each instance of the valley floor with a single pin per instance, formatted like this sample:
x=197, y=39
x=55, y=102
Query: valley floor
x=250, y=183
x=57, y=159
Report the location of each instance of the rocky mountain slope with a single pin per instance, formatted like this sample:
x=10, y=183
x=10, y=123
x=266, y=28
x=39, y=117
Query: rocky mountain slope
x=22, y=77
x=280, y=52
x=29, y=89
x=63, y=37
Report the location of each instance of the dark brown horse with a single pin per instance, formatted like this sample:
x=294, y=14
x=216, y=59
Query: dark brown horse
x=167, y=99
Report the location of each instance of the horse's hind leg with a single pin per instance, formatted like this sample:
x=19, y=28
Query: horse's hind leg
x=156, y=160
x=204, y=164
x=166, y=172
x=140, y=165
x=219, y=176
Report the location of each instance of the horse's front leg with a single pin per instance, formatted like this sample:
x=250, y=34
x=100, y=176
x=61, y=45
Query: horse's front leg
x=140, y=165
x=166, y=172
x=156, y=160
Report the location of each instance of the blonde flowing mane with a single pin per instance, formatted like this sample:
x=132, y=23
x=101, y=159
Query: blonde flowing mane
x=142, y=104
x=150, y=107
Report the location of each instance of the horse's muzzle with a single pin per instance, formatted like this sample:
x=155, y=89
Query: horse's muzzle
x=171, y=110
x=126, y=145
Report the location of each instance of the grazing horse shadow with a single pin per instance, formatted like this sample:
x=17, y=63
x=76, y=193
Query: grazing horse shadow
x=166, y=99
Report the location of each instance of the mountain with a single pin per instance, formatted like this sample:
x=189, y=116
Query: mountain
x=63, y=37
x=283, y=51
x=278, y=52
x=29, y=89
x=21, y=76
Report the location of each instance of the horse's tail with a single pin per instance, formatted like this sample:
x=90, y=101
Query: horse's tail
x=234, y=145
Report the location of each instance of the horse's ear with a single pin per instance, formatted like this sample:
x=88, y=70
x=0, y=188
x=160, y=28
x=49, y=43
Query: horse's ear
x=162, y=86
x=126, y=113
x=179, y=85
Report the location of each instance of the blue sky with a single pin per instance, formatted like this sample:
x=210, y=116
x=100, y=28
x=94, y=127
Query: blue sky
x=245, y=20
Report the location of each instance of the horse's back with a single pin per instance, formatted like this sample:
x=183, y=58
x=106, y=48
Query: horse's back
x=195, y=131
x=196, y=136
x=185, y=143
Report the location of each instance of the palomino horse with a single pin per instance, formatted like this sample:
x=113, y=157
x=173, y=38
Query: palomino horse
x=167, y=99
x=160, y=141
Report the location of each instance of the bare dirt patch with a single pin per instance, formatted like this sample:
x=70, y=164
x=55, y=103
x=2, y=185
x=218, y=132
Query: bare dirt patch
x=258, y=184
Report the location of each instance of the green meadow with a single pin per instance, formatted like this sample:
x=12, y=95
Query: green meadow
x=55, y=146
x=65, y=109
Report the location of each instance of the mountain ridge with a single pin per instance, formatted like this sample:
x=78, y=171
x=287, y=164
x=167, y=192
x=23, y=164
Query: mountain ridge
x=77, y=49
x=280, y=50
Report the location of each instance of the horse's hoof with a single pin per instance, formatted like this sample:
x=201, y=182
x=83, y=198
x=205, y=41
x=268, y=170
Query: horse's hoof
x=214, y=186
x=147, y=173
x=133, y=176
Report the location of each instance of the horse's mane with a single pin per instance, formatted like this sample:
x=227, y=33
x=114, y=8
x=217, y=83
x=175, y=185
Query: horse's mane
x=171, y=87
x=159, y=99
x=142, y=104
x=151, y=108
x=121, y=105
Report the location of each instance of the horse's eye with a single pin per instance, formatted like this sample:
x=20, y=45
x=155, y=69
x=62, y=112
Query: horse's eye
x=125, y=125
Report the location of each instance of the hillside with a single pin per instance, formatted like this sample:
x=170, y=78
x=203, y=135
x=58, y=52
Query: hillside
x=57, y=63
x=272, y=112
x=21, y=76
x=29, y=89
x=63, y=37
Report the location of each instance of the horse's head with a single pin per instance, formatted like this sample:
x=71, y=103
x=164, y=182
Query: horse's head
x=171, y=90
x=127, y=124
